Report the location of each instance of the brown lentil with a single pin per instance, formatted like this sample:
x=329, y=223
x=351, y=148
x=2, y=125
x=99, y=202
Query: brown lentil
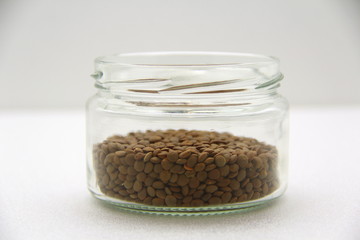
x=157, y=202
x=197, y=203
x=202, y=176
x=214, y=174
x=211, y=188
x=139, y=166
x=220, y=160
x=185, y=154
x=173, y=156
x=199, y=167
x=181, y=161
x=182, y=180
x=160, y=194
x=147, y=157
x=203, y=156
x=137, y=186
x=151, y=191
x=170, y=201
x=194, y=183
x=158, y=185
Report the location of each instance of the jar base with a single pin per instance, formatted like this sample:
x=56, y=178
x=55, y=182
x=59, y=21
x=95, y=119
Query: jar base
x=188, y=211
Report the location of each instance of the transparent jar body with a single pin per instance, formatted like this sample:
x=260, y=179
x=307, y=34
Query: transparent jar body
x=218, y=150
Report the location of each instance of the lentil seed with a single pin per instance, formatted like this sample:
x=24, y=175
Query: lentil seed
x=173, y=156
x=185, y=154
x=148, y=167
x=137, y=186
x=214, y=174
x=194, y=183
x=158, y=185
x=166, y=164
x=201, y=176
x=151, y=191
x=158, y=202
x=225, y=198
x=211, y=188
x=199, y=167
x=147, y=157
x=170, y=201
x=165, y=176
x=220, y=160
x=197, y=203
x=160, y=194
x=215, y=200
x=139, y=166
x=182, y=180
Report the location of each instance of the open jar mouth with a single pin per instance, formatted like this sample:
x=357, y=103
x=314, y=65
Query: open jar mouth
x=187, y=59
x=187, y=79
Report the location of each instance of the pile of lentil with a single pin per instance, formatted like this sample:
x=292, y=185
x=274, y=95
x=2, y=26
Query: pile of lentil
x=182, y=168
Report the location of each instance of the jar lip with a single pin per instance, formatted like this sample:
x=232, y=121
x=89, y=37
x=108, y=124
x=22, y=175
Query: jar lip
x=199, y=59
x=189, y=78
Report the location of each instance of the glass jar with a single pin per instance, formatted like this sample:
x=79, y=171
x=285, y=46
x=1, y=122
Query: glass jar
x=187, y=133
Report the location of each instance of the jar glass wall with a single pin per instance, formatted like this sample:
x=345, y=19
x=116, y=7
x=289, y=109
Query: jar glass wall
x=187, y=132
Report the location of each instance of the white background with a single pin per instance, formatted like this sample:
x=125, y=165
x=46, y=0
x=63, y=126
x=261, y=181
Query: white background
x=47, y=47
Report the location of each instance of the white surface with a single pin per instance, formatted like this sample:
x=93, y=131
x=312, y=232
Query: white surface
x=47, y=47
x=43, y=189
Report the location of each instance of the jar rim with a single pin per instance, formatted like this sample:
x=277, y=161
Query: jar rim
x=198, y=58
x=187, y=78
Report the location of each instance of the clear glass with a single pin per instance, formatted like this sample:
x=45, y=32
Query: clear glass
x=187, y=133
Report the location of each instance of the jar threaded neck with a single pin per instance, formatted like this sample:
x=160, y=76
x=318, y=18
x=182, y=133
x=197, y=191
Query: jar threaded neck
x=187, y=78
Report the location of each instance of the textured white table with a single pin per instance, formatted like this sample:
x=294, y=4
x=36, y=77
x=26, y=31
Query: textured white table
x=43, y=188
